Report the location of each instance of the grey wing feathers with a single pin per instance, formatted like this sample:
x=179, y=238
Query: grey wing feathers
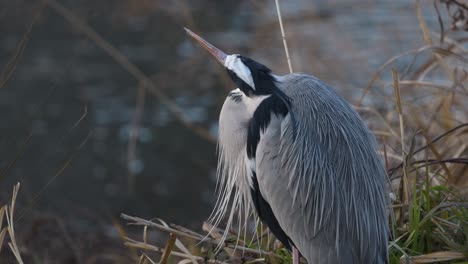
x=271, y=178
x=331, y=172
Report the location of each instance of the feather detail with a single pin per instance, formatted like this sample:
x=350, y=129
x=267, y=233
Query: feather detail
x=335, y=177
x=235, y=169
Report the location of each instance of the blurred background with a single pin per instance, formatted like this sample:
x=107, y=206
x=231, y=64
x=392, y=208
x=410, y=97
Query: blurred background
x=108, y=107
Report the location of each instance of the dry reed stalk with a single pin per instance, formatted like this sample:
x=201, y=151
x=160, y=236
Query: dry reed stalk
x=396, y=87
x=283, y=36
x=197, y=237
x=8, y=211
x=168, y=248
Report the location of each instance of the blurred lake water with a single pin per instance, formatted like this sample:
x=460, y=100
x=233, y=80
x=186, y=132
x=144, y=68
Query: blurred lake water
x=76, y=103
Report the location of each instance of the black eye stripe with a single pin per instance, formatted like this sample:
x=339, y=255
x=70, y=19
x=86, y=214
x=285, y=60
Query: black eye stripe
x=261, y=76
x=243, y=86
x=235, y=96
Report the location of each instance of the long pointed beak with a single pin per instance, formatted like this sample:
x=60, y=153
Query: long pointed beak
x=218, y=54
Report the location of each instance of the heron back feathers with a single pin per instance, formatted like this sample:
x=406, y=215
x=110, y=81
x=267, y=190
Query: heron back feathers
x=329, y=170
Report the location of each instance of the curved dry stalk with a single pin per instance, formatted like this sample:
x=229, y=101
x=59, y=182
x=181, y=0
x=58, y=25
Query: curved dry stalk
x=433, y=63
x=199, y=238
x=144, y=246
x=385, y=122
x=8, y=211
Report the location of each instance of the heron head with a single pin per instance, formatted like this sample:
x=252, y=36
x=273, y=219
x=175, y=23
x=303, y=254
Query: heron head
x=252, y=77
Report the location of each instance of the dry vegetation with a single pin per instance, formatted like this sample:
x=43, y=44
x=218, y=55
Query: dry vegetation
x=423, y=128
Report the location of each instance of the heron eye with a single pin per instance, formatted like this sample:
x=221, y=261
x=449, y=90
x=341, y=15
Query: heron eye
x=235, y=96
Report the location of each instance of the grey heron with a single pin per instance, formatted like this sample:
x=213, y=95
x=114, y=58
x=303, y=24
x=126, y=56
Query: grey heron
x=295, y=152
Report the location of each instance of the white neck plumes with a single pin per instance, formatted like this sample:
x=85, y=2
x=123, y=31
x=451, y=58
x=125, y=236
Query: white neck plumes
x=235, y=64
x=234, y=202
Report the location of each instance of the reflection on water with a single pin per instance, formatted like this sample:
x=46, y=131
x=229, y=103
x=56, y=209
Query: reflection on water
x=63, y=76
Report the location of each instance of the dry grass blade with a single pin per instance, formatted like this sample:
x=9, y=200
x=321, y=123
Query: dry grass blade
x=134, y=135
x=181, y=228
x=381, y=118
x=179, y=244
x=148, y=258
x=260, y=260
x=396, y=88
x=217, y=234
x=428, y=39
x=435, y=257
x=384, y=66
x=17, y=157
x=10, y=67
x=430, y=65
x=56, y=175
x=185, y=250
x=2, y=215
x=141, y=245
x=136, y=244
x=145, y=234
x=2, y=237
x=441, y=23
x=141, y=260
x=433, y=141
x=422, y=24
x=10, y=210
x=432, y=147
x=445, y=134
x=4, y=230
x=184, y=261
x=122, y=235
x=142, y=222
x=427, y=84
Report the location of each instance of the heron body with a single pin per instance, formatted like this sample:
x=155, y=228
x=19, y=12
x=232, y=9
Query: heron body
x=295, y=152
